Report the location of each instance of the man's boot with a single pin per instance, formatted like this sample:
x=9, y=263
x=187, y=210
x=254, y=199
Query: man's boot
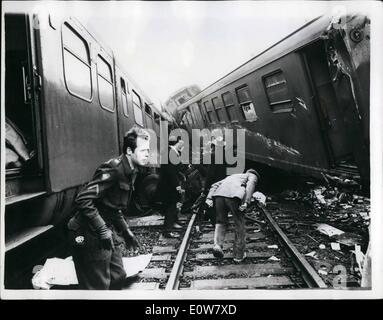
x=219, y=238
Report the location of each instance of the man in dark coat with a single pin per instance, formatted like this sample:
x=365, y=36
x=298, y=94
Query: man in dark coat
x=216, y=171
x=100, y=205
x=169, y=188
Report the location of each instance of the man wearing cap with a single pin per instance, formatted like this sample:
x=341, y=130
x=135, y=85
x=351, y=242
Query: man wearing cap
x=232, y=194
x=100, y=205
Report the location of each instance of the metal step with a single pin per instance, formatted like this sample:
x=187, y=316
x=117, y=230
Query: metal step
x=20, y=238
x=23, y=197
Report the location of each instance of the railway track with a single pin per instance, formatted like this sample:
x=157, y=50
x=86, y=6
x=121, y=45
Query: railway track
x=187, y=263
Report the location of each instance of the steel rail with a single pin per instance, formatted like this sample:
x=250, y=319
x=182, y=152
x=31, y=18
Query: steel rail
x=173, y=281
x=309, y=275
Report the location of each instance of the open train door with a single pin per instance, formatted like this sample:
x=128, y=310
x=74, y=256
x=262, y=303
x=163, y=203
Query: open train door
x=24, y=161
x=25, y=178
x=341, y=125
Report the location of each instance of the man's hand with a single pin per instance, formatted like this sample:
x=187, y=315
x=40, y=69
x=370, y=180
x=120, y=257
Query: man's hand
x=209, y=203
x=260, y=197
x=106, y=238
x=131, y=240
x=180, y=190
x=243, y=207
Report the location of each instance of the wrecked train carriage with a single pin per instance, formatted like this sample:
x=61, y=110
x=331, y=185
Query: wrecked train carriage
x=303, y=102
x=67, y=105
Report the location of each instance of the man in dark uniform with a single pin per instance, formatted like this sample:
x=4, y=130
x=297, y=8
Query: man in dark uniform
x=101, y=203
x=169, y=188
x=216, y=171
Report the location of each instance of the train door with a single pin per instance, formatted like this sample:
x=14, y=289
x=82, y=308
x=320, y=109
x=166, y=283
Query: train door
x=124, y=107
x=332, y=116
x=22, y=84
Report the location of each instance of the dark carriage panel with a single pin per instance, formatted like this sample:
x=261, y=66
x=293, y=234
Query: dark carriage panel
x=303, y=102
x=80, y=132
x=124, y=104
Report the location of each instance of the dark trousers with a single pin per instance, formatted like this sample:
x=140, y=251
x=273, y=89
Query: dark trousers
x=96, y=268
x=222, y=206
x=100, y=274
x=171, y=215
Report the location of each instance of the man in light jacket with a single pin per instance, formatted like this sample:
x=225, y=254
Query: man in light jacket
x=232, y=194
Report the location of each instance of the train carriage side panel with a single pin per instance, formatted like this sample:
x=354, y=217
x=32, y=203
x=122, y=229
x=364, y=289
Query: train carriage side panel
x=78, y=100
x=125, y=105
x=276, y=133
x=290, y=116
x=303, y=102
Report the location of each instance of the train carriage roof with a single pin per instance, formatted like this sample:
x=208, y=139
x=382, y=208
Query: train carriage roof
x=117, y=62
x=308, y=33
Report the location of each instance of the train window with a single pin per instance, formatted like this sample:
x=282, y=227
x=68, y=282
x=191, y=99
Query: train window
x=124, y=98
x=105, y=84
x=247, y=105
x=219, y=109
x=148, y=110
x=156, y=123
x=156, y=118
x=77, y=68
x=137, y=109
x=228, y=101
x=277, y=92
x=210, y=112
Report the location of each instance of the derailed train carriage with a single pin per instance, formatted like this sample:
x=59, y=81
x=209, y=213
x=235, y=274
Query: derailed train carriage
x=303, y=102
x=68, y=103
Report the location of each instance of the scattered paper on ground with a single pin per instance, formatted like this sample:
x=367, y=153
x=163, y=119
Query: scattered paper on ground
x=311, y=254
x=55, y=271
x=273, y=258
x=323, y=272
x=134, y=265
x=328, y=230
x=62, y=272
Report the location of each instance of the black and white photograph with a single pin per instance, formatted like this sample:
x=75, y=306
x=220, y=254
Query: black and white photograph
x=191, y=150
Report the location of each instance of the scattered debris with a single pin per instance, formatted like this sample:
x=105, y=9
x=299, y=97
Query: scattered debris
x=328, y=230
x=311, y=254
x=326, y=220
x=342, y=182
x=348, y=239
x=311, y=238
x=290, y=195
x=323, y=272
x=273, y=258
x=335, y=246
x=62, y=272
x=319, y=196
x=55, y=271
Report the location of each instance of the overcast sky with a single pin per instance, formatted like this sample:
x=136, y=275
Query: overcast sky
x=171, y=44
